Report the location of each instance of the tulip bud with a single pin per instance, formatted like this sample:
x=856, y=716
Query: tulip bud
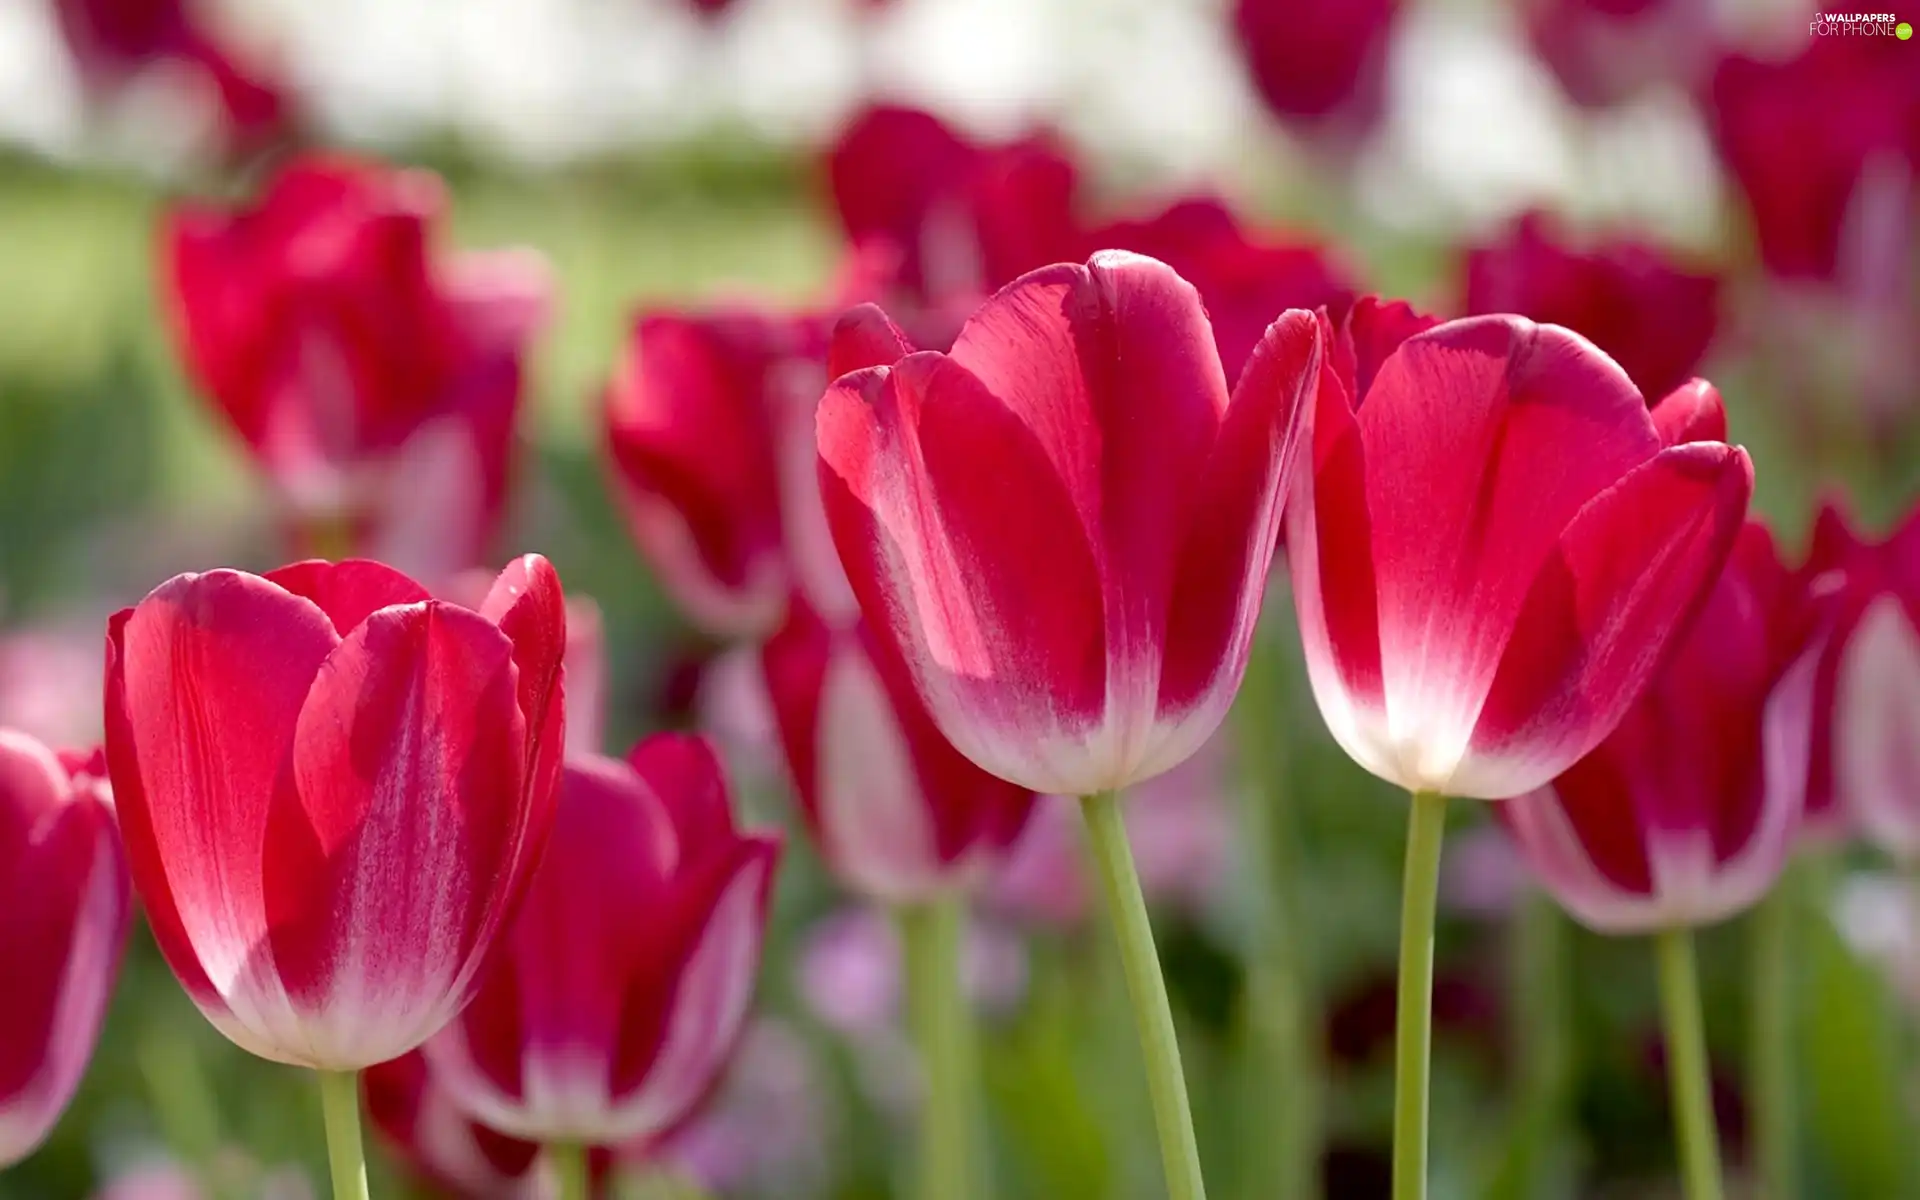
x=617, y=996
x=334, y=789
x=63, y=924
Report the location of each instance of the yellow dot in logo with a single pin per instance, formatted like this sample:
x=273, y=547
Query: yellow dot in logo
x=1903, y=31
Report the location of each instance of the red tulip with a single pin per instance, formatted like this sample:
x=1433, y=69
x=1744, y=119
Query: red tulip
x=1652, y=316
x=707, y=429
x=1604, y=52
x=437, y=1140
x=1513, y=540
x=899, y=814
x=334, y=790
x=63, y=923
x=376, y=383
x=1809, y=140
x=619, y=992
x=1242, y=278
x=1870, y=734
x=1063, y=527
x=1685, y=813
x=1316, y=58
x=111, y=40
x=965, y=218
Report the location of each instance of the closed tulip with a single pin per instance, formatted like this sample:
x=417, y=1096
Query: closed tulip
x=1652, y=315
x=1873, y=726
x=1511, y=539
x=334, y=789
x=1063, y=527
x=1314, y=59
x=899, y=814
x=1685, y=813
x=375, y=380
x=616, y=998
x=63, y=924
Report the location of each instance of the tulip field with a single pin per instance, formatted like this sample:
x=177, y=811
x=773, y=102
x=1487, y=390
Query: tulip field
x=1350, y=629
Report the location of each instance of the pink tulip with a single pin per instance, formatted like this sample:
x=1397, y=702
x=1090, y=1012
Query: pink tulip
x=1874, y=722
x=1495, y=544
x=1312, y=59
x=334, y=789
x=63, y=924
x=618, y=994
x=899, y=814
x=375, y=381
x=1063, y=527
x=1685, y=813
x=438, y=1141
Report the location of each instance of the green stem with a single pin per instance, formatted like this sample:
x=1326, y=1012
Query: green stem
x=1687, y=1065
x=1152, y=1013
x=570, y=1169
x=340, y=1103
x=1413, y=1014
x=1537, y=984
x=932, y=934
x=1776, y=1126
x=1279, y=1131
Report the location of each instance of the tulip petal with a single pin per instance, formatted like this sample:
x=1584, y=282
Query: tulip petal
x=348, y=592
x=1229, y=547
x=865, y=336
x=1692, y=412
x=1470, y=484
x=217, y=666
x=985, y=582
x=384, y=872
x=1628, y=575
x=1876, y=753
x=686, y=775
x=527, y=604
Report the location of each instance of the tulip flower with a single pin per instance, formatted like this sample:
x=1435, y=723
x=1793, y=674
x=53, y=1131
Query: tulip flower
x=375, y=382
x=616, y=998
x=1315, y=59
x=1810, y=140
x=1684, y=815
x=437, y=1140
x=1518, y=541
x=1062, y=529
x=1605, y=52
x=1652, y=316
x=900, y=815
x=63, y=924
x=112, y=41
x=334, y=790
x=708, y=433
x=1873, y=726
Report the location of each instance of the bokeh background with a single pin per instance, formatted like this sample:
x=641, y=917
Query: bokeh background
x=670, y=155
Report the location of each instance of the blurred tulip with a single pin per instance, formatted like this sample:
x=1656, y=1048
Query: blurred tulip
x=1242, y=278
x=1684, y=815
x=1314, y=59
x=852, y=977
x=621, y=988
x=376, y=383
x=50, y=682
x=965, y=218
x=334, y=790
x=1808, y=138
x=1063, y=528
x=1605, y=52
x=111, y=40
x=706, y=421
x=1181, y=827
x=1513, y=540
x=899, y=814
x=1875, y=719
x=63, y=925
x=1652, y=316
x=438, y=1141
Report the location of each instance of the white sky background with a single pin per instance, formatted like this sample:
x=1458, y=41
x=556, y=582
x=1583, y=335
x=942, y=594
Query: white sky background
x=1475, y=129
